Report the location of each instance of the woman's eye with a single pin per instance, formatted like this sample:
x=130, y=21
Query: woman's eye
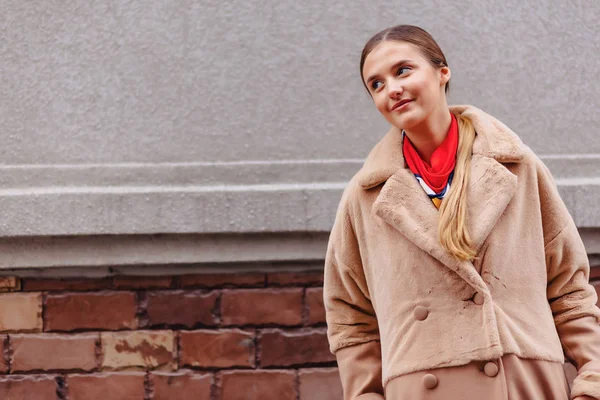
x=402, y=69
x=376, y=85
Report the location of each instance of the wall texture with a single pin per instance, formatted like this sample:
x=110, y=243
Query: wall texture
x=204, y=120
x=153, y=151
x=190, y=337
x=251, y=336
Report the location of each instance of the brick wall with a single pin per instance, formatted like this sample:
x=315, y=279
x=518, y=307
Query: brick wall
x=200, y=337
x=191, y=337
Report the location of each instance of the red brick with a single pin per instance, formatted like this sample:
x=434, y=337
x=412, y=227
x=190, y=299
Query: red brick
x=103, y=310
x=218, y=349
x=66, y=284
x=314, y=304
x=262, y=306
x=258, y=385
x=28, y=387
x=3, y=347
x=186, y=308
x=113, y=386
x=320, y=384
x=288, y=348
x=143, y=349
x=49, y=352
x=20, y=312
x=222, y=280
x=143, y=282
x=308, y=278
x=181, y=386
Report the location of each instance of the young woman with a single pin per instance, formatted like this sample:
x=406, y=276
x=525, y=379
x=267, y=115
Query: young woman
x=454, y=270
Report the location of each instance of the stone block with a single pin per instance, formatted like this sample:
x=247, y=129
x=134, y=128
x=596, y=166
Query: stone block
x=49, y=352
x=138, y=349
x=258, y=385
x=105, y=386
x=103, y=310
x=20, y=312
x=262, y=306
x=291, y=348
x=217, y=349
x=184, y=385
x=184, y=308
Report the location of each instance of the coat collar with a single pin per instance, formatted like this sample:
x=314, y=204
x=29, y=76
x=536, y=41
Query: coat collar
x=403, y=204
x=494, y=140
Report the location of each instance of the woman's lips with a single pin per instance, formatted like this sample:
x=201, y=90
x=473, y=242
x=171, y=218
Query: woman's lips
x=401, y=105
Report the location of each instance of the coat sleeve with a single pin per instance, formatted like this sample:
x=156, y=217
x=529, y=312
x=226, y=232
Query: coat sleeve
x=571, y=297
x=352, y=328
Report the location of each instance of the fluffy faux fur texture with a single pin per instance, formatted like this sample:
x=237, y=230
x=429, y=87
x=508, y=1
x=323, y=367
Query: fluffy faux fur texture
x=384, y=259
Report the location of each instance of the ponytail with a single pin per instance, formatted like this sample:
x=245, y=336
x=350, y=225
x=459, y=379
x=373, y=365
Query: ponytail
x=453, y=232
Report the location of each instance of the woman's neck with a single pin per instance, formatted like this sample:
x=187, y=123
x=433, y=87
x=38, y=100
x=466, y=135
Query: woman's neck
x=429, y=135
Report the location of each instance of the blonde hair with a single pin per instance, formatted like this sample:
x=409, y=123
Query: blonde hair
x=452, y=227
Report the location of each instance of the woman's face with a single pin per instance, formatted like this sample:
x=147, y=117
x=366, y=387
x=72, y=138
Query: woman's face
x=404, y=85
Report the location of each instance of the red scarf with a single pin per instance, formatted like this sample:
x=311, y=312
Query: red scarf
x=443, y=159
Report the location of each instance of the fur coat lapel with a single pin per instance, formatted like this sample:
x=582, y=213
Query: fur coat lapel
x=403, y=204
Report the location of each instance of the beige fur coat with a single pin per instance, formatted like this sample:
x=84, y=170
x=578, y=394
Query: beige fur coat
x=384, y=265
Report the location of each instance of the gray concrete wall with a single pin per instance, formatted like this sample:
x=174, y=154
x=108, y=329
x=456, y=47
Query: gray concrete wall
x=211, y=118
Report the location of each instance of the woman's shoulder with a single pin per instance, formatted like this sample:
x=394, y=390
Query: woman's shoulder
x=382, y=161
x=496, y=139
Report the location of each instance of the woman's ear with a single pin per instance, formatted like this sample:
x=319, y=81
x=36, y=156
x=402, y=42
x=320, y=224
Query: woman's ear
x=445, y=75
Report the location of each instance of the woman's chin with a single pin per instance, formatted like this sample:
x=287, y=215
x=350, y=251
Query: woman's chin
x=404, y=122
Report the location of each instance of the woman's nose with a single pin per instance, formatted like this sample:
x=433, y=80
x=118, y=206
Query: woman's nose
x=395, y=90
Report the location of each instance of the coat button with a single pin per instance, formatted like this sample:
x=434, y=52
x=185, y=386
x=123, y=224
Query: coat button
x=420, y=313
x=478, y=299
x=491, y=369
x=430, y=381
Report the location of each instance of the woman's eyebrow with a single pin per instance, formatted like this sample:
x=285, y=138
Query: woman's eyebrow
x=393, y=67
